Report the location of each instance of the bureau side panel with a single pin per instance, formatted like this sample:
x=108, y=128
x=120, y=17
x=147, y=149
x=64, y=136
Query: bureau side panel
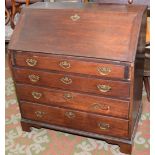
x=137, y=78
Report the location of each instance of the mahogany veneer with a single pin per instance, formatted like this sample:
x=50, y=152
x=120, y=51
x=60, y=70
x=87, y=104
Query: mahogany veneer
x=78, y=71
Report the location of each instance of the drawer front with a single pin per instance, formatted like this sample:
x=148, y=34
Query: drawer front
x=68, y=64
x=70, y=82
x=84, y=102
x=75, y=119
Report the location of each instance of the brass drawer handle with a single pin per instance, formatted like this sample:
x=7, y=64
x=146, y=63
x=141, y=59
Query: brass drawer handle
x=104, y=70
x=103, y=88
x=103, y=126
x=66, y=80
x=65, y=64
x=68, y=96
x=31, y=62
x=34, y=78
x=75, y=17
x=36, y=95
x=97, y=106
x=40, y=114
x=70, y=114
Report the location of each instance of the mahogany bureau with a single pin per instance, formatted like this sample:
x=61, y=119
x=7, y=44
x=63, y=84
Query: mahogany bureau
x=78, y=68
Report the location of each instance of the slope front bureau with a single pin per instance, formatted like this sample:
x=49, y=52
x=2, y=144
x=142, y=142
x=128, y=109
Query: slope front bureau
x=78, y=68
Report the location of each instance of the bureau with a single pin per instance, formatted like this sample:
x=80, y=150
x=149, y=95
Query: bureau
x=78, y=68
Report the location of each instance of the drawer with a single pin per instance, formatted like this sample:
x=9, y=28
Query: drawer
x=83, y=102
x=75, y=119
x=70, y=64
x=118, y=89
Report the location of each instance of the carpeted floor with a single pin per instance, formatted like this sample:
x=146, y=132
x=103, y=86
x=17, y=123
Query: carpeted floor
x=48, y=142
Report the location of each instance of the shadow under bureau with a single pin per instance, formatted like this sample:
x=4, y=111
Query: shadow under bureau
x=78, y=68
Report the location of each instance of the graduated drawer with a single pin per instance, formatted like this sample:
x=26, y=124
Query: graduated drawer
x=75, y=119
x=70, y=82
x=83, y=102
x=70, y=64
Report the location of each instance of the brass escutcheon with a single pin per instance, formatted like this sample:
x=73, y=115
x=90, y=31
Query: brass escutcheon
x=68, y=96
x=75, y=17
x=103, y=126
x=31, y=62
x=70, y=114
x=103, y=88
x=34, y=78
x=36, y=95
x=66, y=80
x=64, y=64
x=104, y=70
x=40, y=113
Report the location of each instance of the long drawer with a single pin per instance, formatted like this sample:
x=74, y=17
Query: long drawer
x=75, y=119
x=83, y=102
x=70, y=82
x=70, y=64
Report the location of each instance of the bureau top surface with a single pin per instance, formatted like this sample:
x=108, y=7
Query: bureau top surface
x=87, y=30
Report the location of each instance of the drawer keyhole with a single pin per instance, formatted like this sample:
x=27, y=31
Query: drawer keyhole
x=68, y=96
x=75, y=17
